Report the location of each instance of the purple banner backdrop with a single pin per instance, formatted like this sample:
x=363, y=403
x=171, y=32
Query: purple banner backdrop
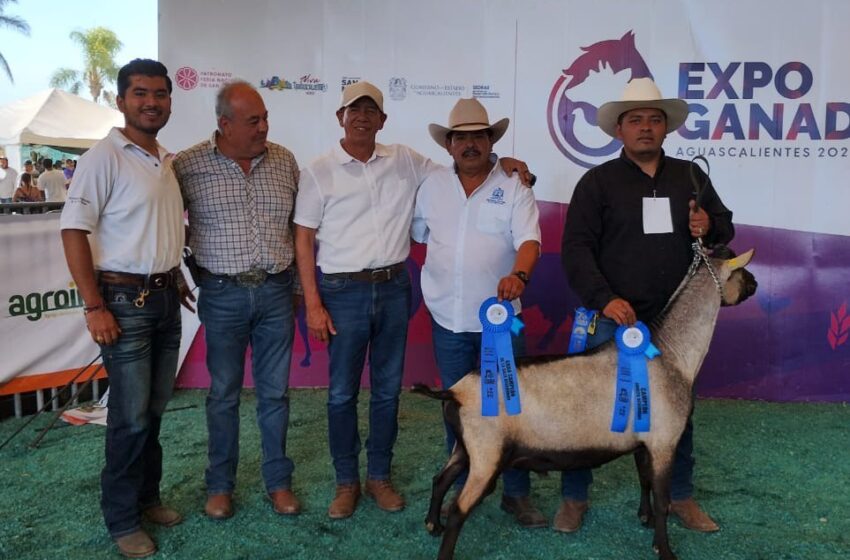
x=789, y=343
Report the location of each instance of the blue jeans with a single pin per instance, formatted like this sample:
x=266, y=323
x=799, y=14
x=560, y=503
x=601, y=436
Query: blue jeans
x=574, y=484
x=458, y=354
x=141, y=367
x=369, y=316
x=235, y=316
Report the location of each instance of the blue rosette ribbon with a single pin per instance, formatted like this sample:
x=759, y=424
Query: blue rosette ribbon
x=634, y=348
x=497, y=357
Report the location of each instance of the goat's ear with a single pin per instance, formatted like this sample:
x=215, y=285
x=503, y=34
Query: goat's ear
x=741, y=260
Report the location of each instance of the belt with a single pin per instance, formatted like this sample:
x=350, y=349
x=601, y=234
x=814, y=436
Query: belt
x=157, y=281
x=374, y=275
x=250, y=279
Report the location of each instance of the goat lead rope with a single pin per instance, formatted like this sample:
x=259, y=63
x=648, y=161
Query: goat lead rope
x=701, y=255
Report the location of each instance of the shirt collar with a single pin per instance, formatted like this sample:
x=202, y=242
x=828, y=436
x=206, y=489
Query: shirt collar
x=213, y=148
x=342, y=157
x=636, y=167
x=121, y=141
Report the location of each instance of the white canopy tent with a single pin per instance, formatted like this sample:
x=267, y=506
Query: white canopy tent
x=53, y=117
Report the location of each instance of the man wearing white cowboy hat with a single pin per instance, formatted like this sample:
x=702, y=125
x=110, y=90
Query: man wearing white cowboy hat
x=483, y=237
x=627, y=245
x=357, y=203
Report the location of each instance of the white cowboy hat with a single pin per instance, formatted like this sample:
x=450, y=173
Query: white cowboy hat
x=641, y=93
x=468, y=115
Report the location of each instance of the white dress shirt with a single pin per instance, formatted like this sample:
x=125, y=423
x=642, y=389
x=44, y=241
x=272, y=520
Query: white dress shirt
x=472, y=242
x=130, y=201
x=361, y=211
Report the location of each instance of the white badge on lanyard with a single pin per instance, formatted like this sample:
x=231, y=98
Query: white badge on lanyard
x=656, y=215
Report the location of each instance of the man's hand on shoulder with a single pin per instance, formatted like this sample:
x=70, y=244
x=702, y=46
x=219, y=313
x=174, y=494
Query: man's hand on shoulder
x=511, y=166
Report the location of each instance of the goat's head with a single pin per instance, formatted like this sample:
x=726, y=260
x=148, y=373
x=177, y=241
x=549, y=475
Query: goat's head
x=738, y=283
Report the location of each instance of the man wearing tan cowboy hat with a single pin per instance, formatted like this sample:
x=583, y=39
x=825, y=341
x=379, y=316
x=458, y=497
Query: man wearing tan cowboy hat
x=357, y=202
x=483, y=237
x=627, y=245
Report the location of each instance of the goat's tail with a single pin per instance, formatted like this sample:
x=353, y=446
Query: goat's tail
x=422, y=389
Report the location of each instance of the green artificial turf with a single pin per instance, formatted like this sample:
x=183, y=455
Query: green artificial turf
x=775, y=476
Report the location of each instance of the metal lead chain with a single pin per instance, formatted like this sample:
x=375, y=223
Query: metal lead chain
x=701, y=255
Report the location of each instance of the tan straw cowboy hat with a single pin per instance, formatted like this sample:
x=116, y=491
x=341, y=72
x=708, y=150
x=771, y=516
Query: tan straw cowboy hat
x=468, y=115
x=641, y=93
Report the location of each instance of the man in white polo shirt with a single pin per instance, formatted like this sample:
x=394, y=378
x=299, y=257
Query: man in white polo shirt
x=483, y=237
x=126, y=197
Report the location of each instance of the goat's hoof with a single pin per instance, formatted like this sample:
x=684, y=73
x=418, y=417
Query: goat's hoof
x=647, y=521
x=666, y=556
x=434, y=529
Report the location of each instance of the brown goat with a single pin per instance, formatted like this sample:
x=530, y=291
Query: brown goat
x=567, y=404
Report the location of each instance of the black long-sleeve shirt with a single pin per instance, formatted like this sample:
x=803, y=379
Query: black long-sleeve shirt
x=606, y=253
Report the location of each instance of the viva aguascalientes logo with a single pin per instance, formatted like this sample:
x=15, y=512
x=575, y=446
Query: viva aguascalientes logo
x=726, y=118
x=36, y=305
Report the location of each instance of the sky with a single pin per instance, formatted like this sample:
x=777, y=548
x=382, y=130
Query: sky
x=33, y=59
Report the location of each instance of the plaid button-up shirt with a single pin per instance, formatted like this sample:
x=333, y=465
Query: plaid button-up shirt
x=239, y=221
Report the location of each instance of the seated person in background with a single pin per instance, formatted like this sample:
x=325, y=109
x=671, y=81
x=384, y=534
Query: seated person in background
x=27, y=192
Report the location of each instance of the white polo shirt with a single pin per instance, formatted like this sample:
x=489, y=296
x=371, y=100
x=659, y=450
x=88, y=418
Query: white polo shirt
x=361, y=211
x=472, y=242
x=53, y=184
x=130, y=201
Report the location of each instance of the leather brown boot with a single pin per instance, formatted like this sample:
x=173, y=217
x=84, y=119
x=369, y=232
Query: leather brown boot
x=569, y=516
x=385, y=495
x=162, y=515
x=345, y=501
x=692, y=517
x=137, y=544
x=284, y=502
x=524, y=511
x=219, y=506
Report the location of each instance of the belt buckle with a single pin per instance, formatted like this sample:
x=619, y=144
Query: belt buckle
x=252, y=278
x=158, y=281
x=382, y=274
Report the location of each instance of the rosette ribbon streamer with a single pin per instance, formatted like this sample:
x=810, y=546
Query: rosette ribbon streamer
x=633, y=350
x=581, y=329
x=497, y=357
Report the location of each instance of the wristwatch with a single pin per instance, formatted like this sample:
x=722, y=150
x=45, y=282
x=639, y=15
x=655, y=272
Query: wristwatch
x=522, y=276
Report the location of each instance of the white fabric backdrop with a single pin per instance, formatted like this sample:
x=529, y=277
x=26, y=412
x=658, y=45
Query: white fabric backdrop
x=518, y=50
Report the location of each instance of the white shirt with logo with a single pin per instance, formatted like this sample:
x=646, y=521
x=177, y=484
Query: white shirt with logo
x=361, y=211
x=53, y=184
x=472, y=242
x=130, y=202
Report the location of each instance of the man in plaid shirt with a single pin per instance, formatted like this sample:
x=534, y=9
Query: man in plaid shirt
x=240, y=192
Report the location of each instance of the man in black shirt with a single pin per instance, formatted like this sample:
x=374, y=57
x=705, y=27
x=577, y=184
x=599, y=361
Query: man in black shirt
x=627, y=246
